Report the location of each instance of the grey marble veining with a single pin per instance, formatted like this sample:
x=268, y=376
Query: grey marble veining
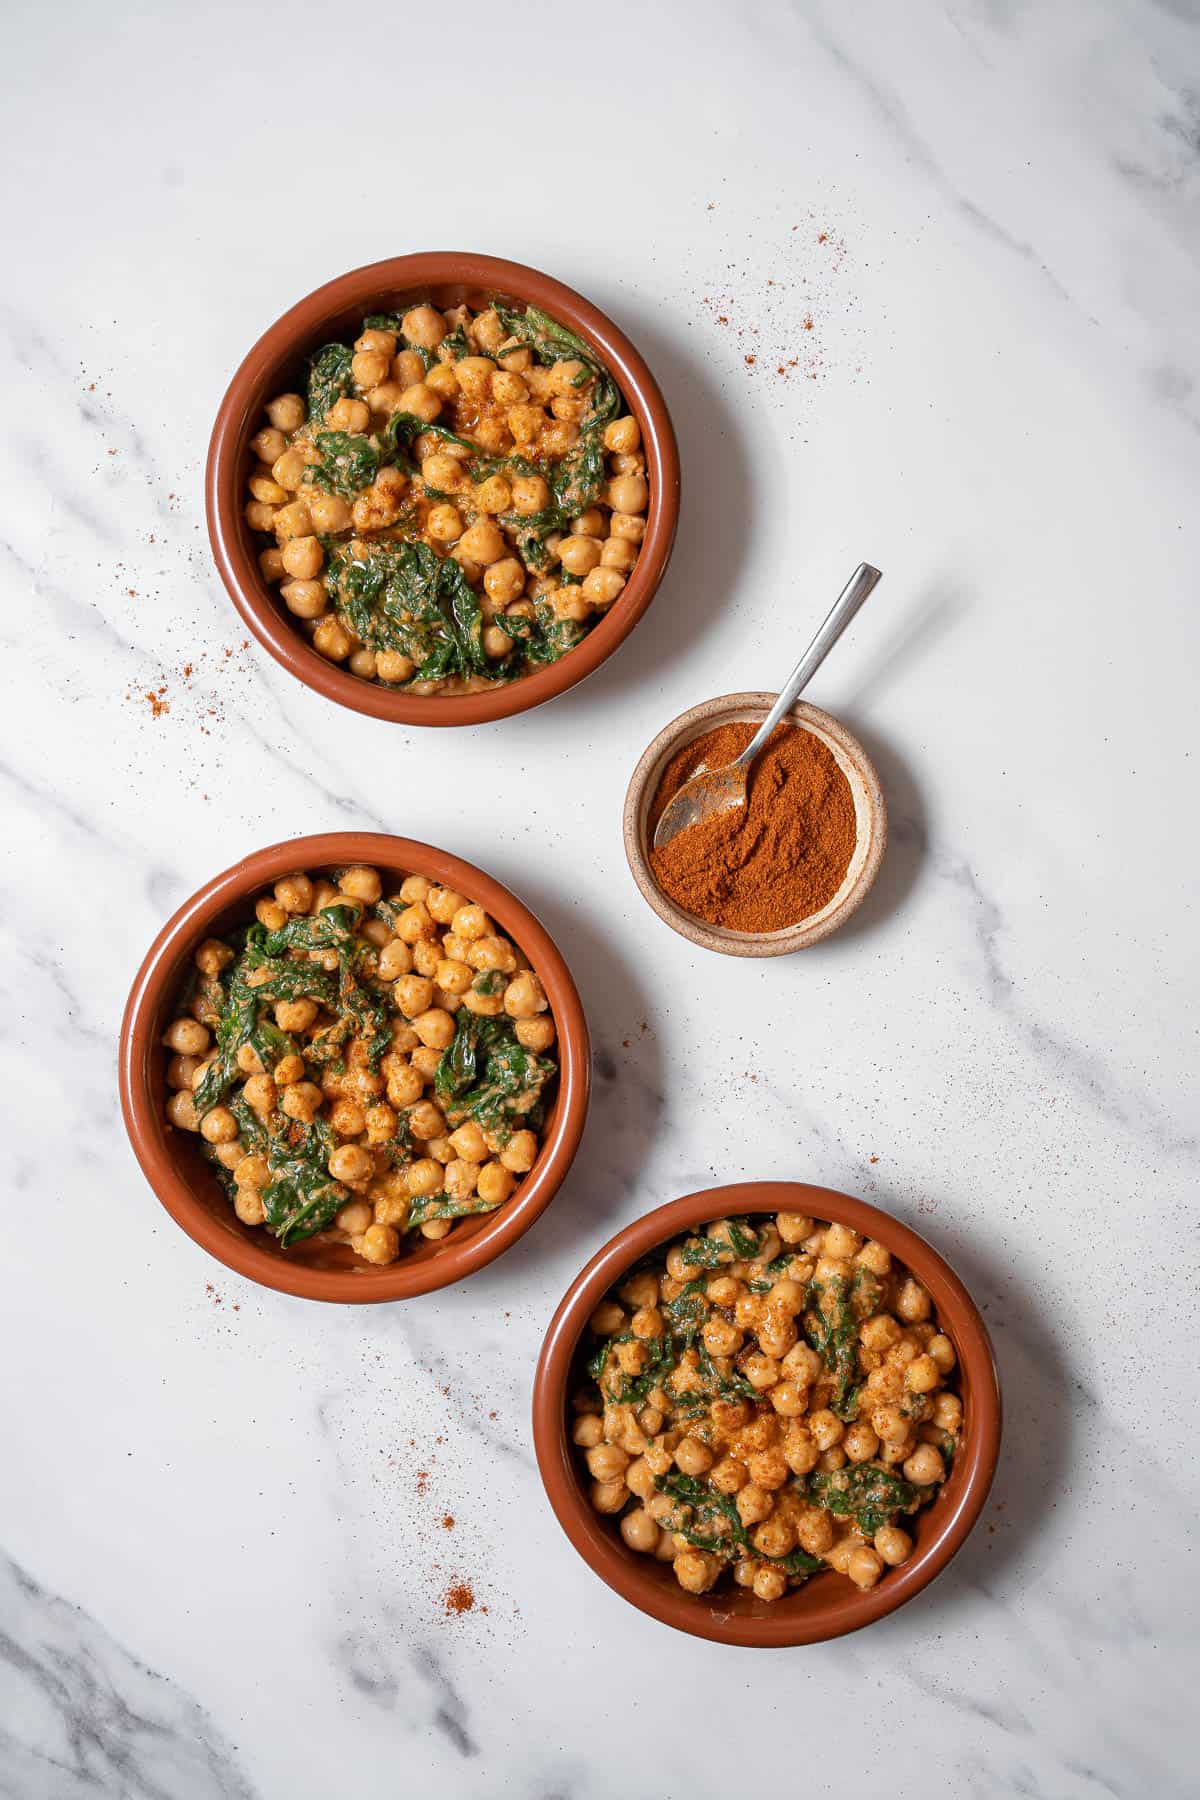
x=225, y=1558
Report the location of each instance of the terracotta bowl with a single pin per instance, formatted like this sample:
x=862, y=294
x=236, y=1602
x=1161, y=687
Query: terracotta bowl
x=869, y=809
x=829, y=1605
x=183, y=1180
x=276, y=364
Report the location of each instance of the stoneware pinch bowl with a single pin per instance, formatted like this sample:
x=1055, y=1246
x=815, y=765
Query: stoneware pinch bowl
x=828, y=1605
x=869, y=810
x=171, y=1160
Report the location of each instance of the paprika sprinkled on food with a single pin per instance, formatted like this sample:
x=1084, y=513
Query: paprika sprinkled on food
x=776, y=860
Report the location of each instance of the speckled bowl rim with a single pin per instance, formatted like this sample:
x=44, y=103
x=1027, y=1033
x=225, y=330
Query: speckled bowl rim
x=434, y=1264
x=830, y=1605
x=643, y=785
x=312, y=321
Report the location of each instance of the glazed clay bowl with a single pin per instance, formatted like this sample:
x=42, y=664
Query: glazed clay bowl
x=177, y=1171
x=829, y=1605
x=869, y=811
x=277, y=363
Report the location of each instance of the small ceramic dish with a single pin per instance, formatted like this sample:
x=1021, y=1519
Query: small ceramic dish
x=171, y=1160
x=277, y=363
x=869, y=810
x=829, y=1605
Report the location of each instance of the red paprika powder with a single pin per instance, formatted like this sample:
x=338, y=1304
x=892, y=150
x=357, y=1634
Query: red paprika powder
x=776, y=860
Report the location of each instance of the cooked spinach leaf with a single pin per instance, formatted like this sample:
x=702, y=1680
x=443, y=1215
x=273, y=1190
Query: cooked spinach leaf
x=348, y=463
x=832, y=1329
x=872, y=1495
x=330, y=378
x=384, y=321
x=485, y=1074
x=301, y=1197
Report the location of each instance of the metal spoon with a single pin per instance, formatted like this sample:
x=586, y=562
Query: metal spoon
x=711, y=791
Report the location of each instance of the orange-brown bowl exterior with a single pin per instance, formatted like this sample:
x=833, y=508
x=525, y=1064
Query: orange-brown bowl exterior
x=829, y=1605
x=276, y=364
x=179, y=1174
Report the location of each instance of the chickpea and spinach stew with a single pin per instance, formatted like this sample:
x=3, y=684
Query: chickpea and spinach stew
x=768, y=1398
x=455, y=500
x=359, y=1066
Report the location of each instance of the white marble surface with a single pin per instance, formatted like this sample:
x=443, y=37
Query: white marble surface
x=221, y=1577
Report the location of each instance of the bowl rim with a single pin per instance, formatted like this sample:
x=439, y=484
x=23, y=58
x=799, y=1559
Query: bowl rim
x=698, y=931
x=407, y=1277
x=776, y=1625
x=391, y=279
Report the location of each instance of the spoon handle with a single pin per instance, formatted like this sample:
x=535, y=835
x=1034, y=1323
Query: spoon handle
x=841, y=612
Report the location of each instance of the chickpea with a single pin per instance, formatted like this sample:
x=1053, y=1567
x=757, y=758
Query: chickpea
x=421, y=400
x=777, y=1336
x=875, y=1257
x=609, y=1496
x=639, y=1530
x=369, y=367
x=579, y=555
x=893, y=1545
x=941, y=1350
x=728, y=1475
x=762, y=1372
x=504, y=580
x=292, y=521
x=306, y=599
x=352, y=1165
x=922, y=1375
x=768, y=1583
x=181, y=1111
x=602, y=586
x=531, y=494
x=496, y=1183
x=181, y=1072
x=349, y=415
x=841, y=1242
x=627, y=494
x=632, y=528
x=248, y=1206
x=294, y=893
x=415, y=922
x=444, y=523
x=924, y=1466
x=268, y=444
x=825, y=1428
x=692, y=1457
x=789, y=1399
x=754, y=1504
x=536, y=1034
x=947, y=1412
x=423, y=326
x=606, y=1462
x=776, y=1536
x=186, y=1036
x=520, y=1152
x=270, y=563
x=769, y=1469
x=814, y=1532
x=912, y=1303
x=721, y=1338
x=286, y=412
x=864, y=1567
x=434, y=1027
x=378, y=1244
x=301, y=1100
x=695, y=1570
x=587, y=1431
x=426, y=1121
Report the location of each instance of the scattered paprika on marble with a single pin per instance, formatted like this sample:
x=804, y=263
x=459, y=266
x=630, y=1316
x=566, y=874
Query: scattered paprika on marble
x=778, y=859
